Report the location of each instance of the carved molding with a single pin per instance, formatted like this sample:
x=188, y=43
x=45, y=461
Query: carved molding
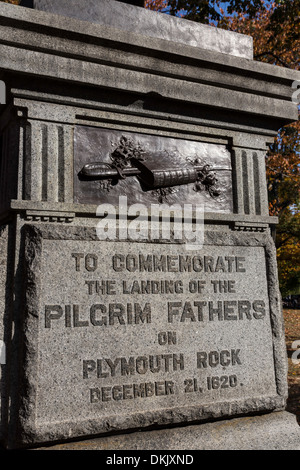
x=46, y=216
x=250, y=227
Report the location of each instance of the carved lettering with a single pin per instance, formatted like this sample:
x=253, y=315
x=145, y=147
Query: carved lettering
x=221, y=310
x=153, y=287
x=177, y=263
x=132, y=391
x=214, y=358
x=124, y=366
x=98, y=315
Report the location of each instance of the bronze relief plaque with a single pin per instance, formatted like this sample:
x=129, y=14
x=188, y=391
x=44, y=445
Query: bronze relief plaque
x=150, y=169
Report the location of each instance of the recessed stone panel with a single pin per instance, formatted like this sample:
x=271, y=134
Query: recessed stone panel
x=127, y=335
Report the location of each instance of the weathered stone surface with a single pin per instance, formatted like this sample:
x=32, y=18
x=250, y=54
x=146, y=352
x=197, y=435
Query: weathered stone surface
x=151, y=24
x=275, y=431
x=149, y=69
x=96, y=345
x=154, y=334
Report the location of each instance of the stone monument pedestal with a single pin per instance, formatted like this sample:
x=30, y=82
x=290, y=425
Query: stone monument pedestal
x=139, y=298
x=273, y=431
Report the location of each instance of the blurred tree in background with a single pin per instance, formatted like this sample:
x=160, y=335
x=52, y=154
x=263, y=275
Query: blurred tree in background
x=15, y=2
x=275, y=29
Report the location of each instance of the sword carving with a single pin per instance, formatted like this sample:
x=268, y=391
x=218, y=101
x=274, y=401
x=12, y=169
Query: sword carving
x=129, y=160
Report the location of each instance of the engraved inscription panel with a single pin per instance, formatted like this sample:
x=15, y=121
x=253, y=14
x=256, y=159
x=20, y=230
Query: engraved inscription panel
x=134, y=334
x=107, y=146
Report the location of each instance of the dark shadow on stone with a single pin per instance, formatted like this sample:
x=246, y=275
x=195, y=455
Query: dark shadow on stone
x=137, y=3
x=26, y=3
